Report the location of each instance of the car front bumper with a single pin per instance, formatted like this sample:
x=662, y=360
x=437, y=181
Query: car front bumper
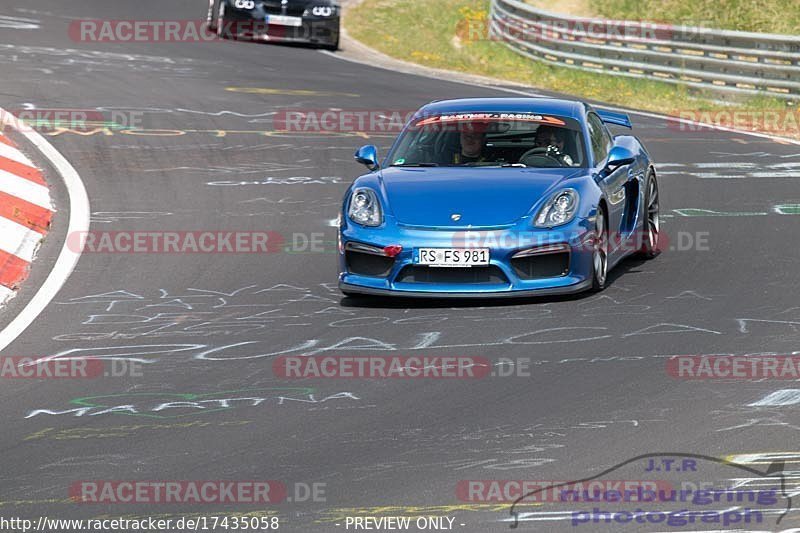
x=505, y=276
x=323, y=31
x=570, y=289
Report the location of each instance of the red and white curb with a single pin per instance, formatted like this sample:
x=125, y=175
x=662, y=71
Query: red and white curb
x=78, y=222
x=25, y=214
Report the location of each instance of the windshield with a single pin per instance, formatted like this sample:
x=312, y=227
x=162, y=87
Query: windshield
x=491, y=139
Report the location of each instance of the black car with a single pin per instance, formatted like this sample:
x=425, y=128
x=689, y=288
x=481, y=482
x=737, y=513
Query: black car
x=298, y=21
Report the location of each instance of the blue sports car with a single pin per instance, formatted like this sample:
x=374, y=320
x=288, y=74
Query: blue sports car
x=491, y=197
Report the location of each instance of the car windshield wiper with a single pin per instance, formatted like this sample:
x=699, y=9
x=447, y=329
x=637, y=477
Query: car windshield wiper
x=515, y=165
x=416, y=165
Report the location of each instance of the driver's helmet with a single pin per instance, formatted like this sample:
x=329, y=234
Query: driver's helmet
x=549, y=135
x=554, y=139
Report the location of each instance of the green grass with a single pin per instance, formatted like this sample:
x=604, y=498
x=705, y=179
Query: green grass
x=769, y=16
x=434, y=33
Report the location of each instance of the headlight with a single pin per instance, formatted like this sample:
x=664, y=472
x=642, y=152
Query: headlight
x=559, y=210
x=320, y=11
x=365, y=209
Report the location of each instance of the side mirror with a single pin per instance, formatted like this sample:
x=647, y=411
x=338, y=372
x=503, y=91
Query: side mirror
x=617, y=157
x=368, y=155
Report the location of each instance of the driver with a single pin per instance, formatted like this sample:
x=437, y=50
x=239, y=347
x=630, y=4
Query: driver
x=473, y=144
x=553, y=139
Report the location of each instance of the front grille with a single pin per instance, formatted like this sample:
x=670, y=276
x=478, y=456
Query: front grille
x=293, y=8
x=541, y=266
x=377, y=266
x=490, y=275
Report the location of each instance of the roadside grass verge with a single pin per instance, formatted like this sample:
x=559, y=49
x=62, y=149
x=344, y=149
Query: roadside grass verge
x=766, y=16
x=432, y=33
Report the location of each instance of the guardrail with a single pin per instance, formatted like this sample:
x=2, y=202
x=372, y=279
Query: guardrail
x=743, y=62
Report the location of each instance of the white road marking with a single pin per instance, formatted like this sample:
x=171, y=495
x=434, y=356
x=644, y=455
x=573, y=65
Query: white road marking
x=18, y=23
x=778, y=398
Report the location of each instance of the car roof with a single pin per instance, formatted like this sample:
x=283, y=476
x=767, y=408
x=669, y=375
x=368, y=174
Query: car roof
x=551, y=106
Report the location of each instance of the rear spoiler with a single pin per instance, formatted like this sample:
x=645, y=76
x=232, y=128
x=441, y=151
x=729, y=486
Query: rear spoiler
x=612, y=117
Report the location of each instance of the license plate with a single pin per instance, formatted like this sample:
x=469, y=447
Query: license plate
x=452, y=257
x=283, y=20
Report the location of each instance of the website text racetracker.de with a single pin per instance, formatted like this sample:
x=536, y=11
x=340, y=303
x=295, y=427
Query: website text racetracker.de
x=197, y=523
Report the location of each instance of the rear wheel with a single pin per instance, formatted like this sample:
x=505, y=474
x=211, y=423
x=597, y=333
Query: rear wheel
x=652, y=222
x=600, y=252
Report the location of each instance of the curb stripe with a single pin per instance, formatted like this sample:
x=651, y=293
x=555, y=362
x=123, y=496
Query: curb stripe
x=13, y=271
x=25, y=213
x=22, y=170
x=11, y=152
x=27, y=190
x=5, y=294
x=19, y=240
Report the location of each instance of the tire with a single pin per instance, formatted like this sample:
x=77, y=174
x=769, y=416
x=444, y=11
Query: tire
x=211, y=18
x=331, y=47
x=652, y=219
x=600, y=252
x=220, y=24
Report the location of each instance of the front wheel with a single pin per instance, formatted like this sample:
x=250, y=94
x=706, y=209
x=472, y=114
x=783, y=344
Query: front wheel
x=331, y=47
x=220, y=25
x=211, y=18
x=652, y=222
x=600, y=252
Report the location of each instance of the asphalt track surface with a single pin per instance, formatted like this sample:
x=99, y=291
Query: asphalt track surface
x=597, y=393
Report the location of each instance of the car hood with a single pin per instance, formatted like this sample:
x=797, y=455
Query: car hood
x=482, y=196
